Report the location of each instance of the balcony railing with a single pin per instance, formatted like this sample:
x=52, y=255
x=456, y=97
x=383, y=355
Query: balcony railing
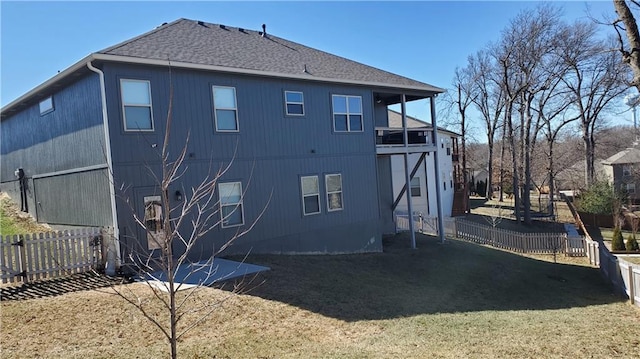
x=395, y=136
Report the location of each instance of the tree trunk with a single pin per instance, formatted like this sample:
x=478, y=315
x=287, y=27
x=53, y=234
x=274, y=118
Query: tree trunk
x=489, y=193
x=514, y=162
x=589, y=155
x=551, y=179
x=501, y=168
x=631, y=57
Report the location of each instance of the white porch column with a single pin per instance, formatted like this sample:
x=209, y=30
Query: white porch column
x=437, y=167
x=407, y=175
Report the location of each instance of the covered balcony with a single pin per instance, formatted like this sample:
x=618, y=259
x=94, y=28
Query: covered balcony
x=391, y=141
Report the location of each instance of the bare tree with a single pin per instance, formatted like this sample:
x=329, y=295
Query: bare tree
x=489, y=100
x=596, y=78
x=173, y=232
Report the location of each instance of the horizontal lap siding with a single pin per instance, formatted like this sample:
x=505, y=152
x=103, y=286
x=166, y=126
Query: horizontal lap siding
x=279, y=148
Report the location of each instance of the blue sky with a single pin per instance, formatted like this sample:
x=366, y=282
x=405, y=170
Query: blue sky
x=423, y=40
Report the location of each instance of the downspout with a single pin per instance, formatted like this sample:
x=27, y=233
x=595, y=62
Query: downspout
x=113, y=245
x=437, y=168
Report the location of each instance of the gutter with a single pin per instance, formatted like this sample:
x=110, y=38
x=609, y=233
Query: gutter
x=113, y=246
x=187, y=65
x=307, y=77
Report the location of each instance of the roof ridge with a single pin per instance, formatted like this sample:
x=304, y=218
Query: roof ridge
x=150, y=32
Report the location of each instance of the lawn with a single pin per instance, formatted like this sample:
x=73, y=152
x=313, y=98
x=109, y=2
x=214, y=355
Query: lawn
x=449, y=300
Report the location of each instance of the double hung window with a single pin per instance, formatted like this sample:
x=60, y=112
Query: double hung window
x=310, y=195
x=225, y=109
x=231, y=204
x=136, y=105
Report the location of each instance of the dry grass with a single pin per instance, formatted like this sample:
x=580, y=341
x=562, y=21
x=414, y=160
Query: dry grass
x=13, y=221
x=439, y=301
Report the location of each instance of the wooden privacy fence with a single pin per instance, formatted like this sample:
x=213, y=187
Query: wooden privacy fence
x=28, y=257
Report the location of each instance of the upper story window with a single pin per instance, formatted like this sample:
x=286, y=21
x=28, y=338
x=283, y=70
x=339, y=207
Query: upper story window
x=136, y=105
x=225, y=109
x=347, y=113
x=626, y=170
x=231, y=204
x=294, y=103
x=333, y=185
x=310, y=195
x=415, y=187
x=46, y=105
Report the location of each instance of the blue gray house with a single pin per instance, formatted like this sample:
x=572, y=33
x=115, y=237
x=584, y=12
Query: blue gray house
x=307, y=128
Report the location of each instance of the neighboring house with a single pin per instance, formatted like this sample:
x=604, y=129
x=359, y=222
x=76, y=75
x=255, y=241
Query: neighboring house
x=298, y=123
x=571, y=178
x=622, y=170
x=424, y=182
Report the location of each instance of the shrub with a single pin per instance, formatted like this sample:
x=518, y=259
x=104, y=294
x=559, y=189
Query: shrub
x=632, y=244
x=617, y=242
x=600, y=198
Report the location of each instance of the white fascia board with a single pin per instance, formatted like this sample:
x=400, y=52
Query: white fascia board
x=307, y=77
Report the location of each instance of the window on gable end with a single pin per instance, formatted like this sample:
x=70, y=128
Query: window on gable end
x=46, y=106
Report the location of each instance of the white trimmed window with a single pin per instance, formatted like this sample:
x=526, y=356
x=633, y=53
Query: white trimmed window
x=225, y=109
x=631, y=188
x=136, y=105
x=294, y=103
x=333, y=183
x=46, y=106
x=415, y=187
x=310, y=195
x=347, y=113
x=231, y=204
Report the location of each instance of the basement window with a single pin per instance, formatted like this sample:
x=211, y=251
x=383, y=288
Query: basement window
x=231, y=204
x=415, y=187
x=310, y=195
x=333, y=183
x=46, y=106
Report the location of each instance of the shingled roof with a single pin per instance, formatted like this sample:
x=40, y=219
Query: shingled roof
x=201, y=43
x=395, y=121
x=627, y=156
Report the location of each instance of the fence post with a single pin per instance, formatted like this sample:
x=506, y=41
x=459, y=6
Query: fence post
x=109, y=253
x=632, y=291
x=22, y=259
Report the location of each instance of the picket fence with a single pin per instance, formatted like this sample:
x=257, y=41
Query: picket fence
x=29, y=257
x=534, y=243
